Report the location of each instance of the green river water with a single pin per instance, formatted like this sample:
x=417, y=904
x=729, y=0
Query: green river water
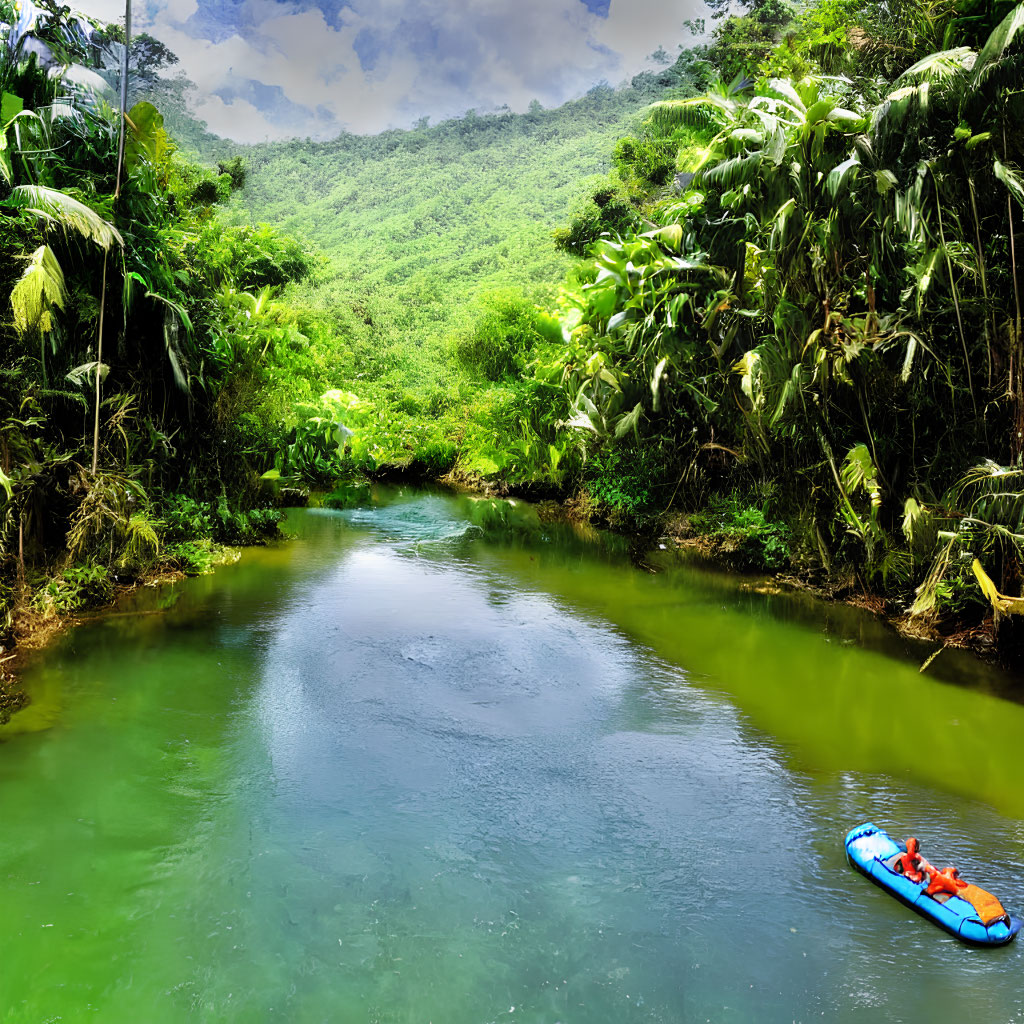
x=434, y=762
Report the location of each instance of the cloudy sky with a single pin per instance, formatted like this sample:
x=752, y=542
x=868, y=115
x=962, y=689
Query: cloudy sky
x=271, y=69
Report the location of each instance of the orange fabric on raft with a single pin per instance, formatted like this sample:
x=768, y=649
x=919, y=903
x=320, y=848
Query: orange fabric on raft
x=988, y=907
x=945, y=881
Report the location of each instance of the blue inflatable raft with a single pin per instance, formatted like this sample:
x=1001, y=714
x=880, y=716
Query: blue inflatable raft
x=870, y=850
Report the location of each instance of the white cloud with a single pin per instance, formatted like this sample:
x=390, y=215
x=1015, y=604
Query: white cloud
x=436, y=57
x=238, y=120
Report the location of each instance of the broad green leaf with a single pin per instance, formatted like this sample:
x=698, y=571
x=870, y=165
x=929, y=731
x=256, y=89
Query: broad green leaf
x=999, y=41
x=913, y=513
x=630, y=421
x=943, y=64
x=776, y=148
x=581, y=421
x=1011, y=180
x=147, y=139
x=785, y=88
x=672, y=234
x=6, y=168
x=6, y=483
x=819, y=111
x=842, y=173
x=849, y=119
x=884, y=181
x=925, y=272
x=908, y=359
x=583, y=399
x=81, y=374
x=859, y=473
x=745, y=135
x=10, y=106
x=656, y=379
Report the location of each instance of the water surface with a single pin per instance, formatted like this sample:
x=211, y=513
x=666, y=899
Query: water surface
x=436, y=761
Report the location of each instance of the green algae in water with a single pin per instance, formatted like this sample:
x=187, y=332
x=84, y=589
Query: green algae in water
x=431, y=762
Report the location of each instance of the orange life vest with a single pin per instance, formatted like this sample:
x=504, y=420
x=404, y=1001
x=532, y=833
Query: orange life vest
x=911, y=863
x=945, y=881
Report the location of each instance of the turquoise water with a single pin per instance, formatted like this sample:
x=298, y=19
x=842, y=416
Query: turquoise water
x=436, y=761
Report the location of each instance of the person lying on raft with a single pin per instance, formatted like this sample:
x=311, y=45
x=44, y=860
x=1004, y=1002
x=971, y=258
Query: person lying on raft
x=914, y=867
x=912, y=864
x=948, y=880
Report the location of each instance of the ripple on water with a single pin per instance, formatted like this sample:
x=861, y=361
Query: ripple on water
x=414, y=768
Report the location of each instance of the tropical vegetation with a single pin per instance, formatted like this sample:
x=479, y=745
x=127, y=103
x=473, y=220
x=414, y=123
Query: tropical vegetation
x=138, y=333
x=768, y=294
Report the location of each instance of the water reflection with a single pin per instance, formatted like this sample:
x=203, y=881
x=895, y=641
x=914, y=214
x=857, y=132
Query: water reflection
x=437, y=760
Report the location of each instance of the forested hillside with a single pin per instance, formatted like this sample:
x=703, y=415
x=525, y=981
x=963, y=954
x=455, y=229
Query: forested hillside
x=796, y=314
x=415, y=226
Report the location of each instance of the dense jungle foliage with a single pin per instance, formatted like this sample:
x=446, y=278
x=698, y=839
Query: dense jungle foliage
x=770, y=290
x=136, y=408
x=794, y=312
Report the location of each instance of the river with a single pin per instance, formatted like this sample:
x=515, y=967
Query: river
x=437, y=762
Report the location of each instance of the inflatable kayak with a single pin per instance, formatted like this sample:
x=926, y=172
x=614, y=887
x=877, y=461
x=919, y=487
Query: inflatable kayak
x=972, y=915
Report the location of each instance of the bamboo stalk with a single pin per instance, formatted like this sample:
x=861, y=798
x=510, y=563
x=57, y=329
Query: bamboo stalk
x=1018, y=441
x=99, y=366
x=124, y=94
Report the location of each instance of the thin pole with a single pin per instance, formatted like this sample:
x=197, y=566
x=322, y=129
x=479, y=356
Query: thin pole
x=124, y=93
x=99, y=365
x=106, y=252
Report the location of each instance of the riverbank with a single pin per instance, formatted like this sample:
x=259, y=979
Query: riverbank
x=730, y=550
x=670, y=532
x=37, y=624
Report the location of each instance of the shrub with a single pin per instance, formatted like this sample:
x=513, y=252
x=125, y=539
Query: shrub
x=743, y=536
x=77, y=587
x=623, y=480
x=500, y=343
x=194, y=557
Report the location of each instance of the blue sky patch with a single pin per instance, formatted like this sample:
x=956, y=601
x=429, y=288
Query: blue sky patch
x=296, y=68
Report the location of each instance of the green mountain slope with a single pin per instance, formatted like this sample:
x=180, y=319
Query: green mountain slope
x=416, y=225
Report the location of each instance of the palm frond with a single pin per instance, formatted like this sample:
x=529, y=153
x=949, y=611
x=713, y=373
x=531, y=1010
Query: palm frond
x=694, y=112
x=999, y=42
x=739, y=170
x=53, y=205
x=175, y=317
x=946, y=64
x=39, y=289
x=785, y=88
x=83, y=82
x=1010, y=179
